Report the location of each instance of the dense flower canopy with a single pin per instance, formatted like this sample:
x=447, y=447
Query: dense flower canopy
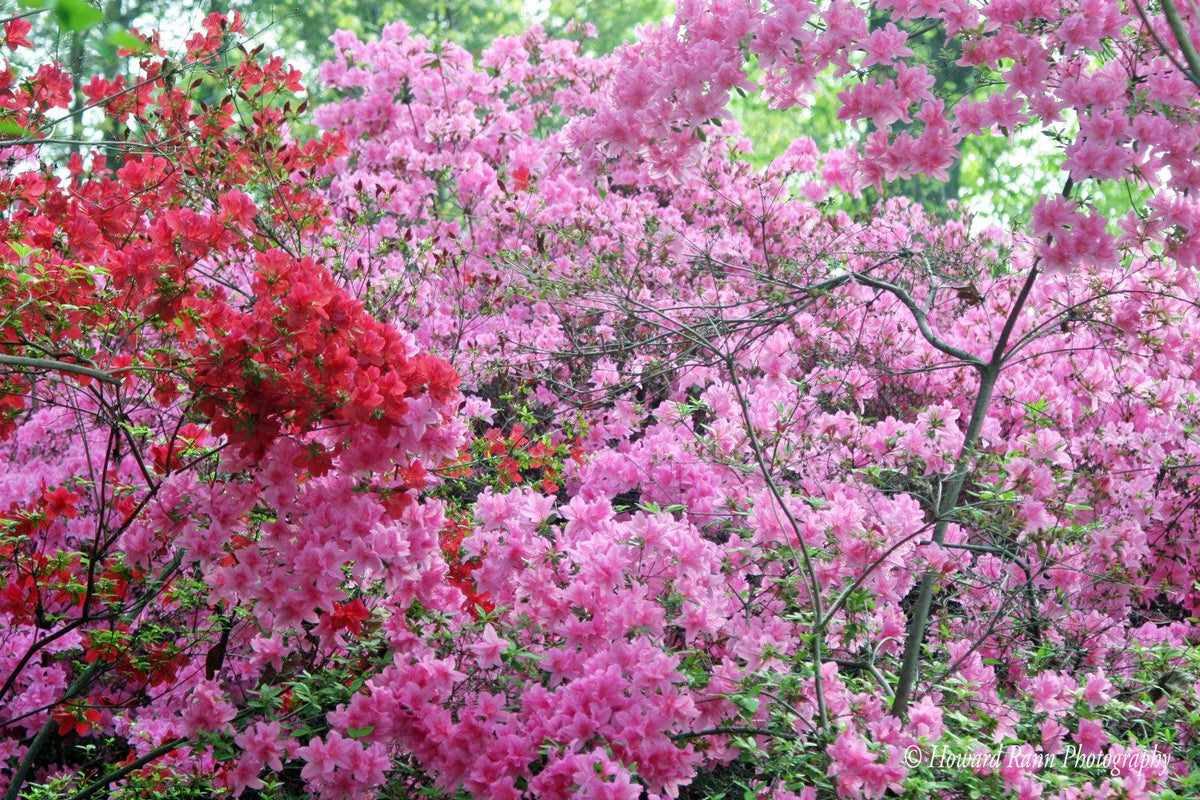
x=513, y=436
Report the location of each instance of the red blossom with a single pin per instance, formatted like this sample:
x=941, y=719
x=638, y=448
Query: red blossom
x=16, y=33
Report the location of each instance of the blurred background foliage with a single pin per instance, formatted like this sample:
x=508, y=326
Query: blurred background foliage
x=306, y=26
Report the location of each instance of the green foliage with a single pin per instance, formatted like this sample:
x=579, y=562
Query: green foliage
x=76, y=15
x=615, y=20
x=471, y=23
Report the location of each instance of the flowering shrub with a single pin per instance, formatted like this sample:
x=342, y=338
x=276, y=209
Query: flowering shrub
x=213, y=450
x=743, y=493
x=806, y=389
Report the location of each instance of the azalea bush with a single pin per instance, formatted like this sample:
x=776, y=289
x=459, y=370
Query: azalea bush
x=192, y=402
x=495, y=429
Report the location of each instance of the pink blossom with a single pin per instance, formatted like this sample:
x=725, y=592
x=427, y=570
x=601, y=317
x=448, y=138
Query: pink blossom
x=207, y=709
x=1097, y=690
x=1091, y=737
x=490, y=648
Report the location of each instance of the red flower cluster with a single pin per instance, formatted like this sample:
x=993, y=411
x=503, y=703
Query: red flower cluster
x=461, y=567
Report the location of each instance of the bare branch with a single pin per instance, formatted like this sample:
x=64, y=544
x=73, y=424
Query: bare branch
x=60, y=366
x=922, y=321
x=1182, y=38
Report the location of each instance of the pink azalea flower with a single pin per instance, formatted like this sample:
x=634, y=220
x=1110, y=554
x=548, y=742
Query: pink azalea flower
x=1091, y=737
x=490, y=648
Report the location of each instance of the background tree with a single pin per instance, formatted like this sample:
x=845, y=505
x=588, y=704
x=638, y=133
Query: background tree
x=472, y=23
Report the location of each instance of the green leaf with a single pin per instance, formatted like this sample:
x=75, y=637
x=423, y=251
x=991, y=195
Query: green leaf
x=358, y=733
x=127, y=41
x=745, y=743
x=76, y=15
x=747, y=704
x=10, y=128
